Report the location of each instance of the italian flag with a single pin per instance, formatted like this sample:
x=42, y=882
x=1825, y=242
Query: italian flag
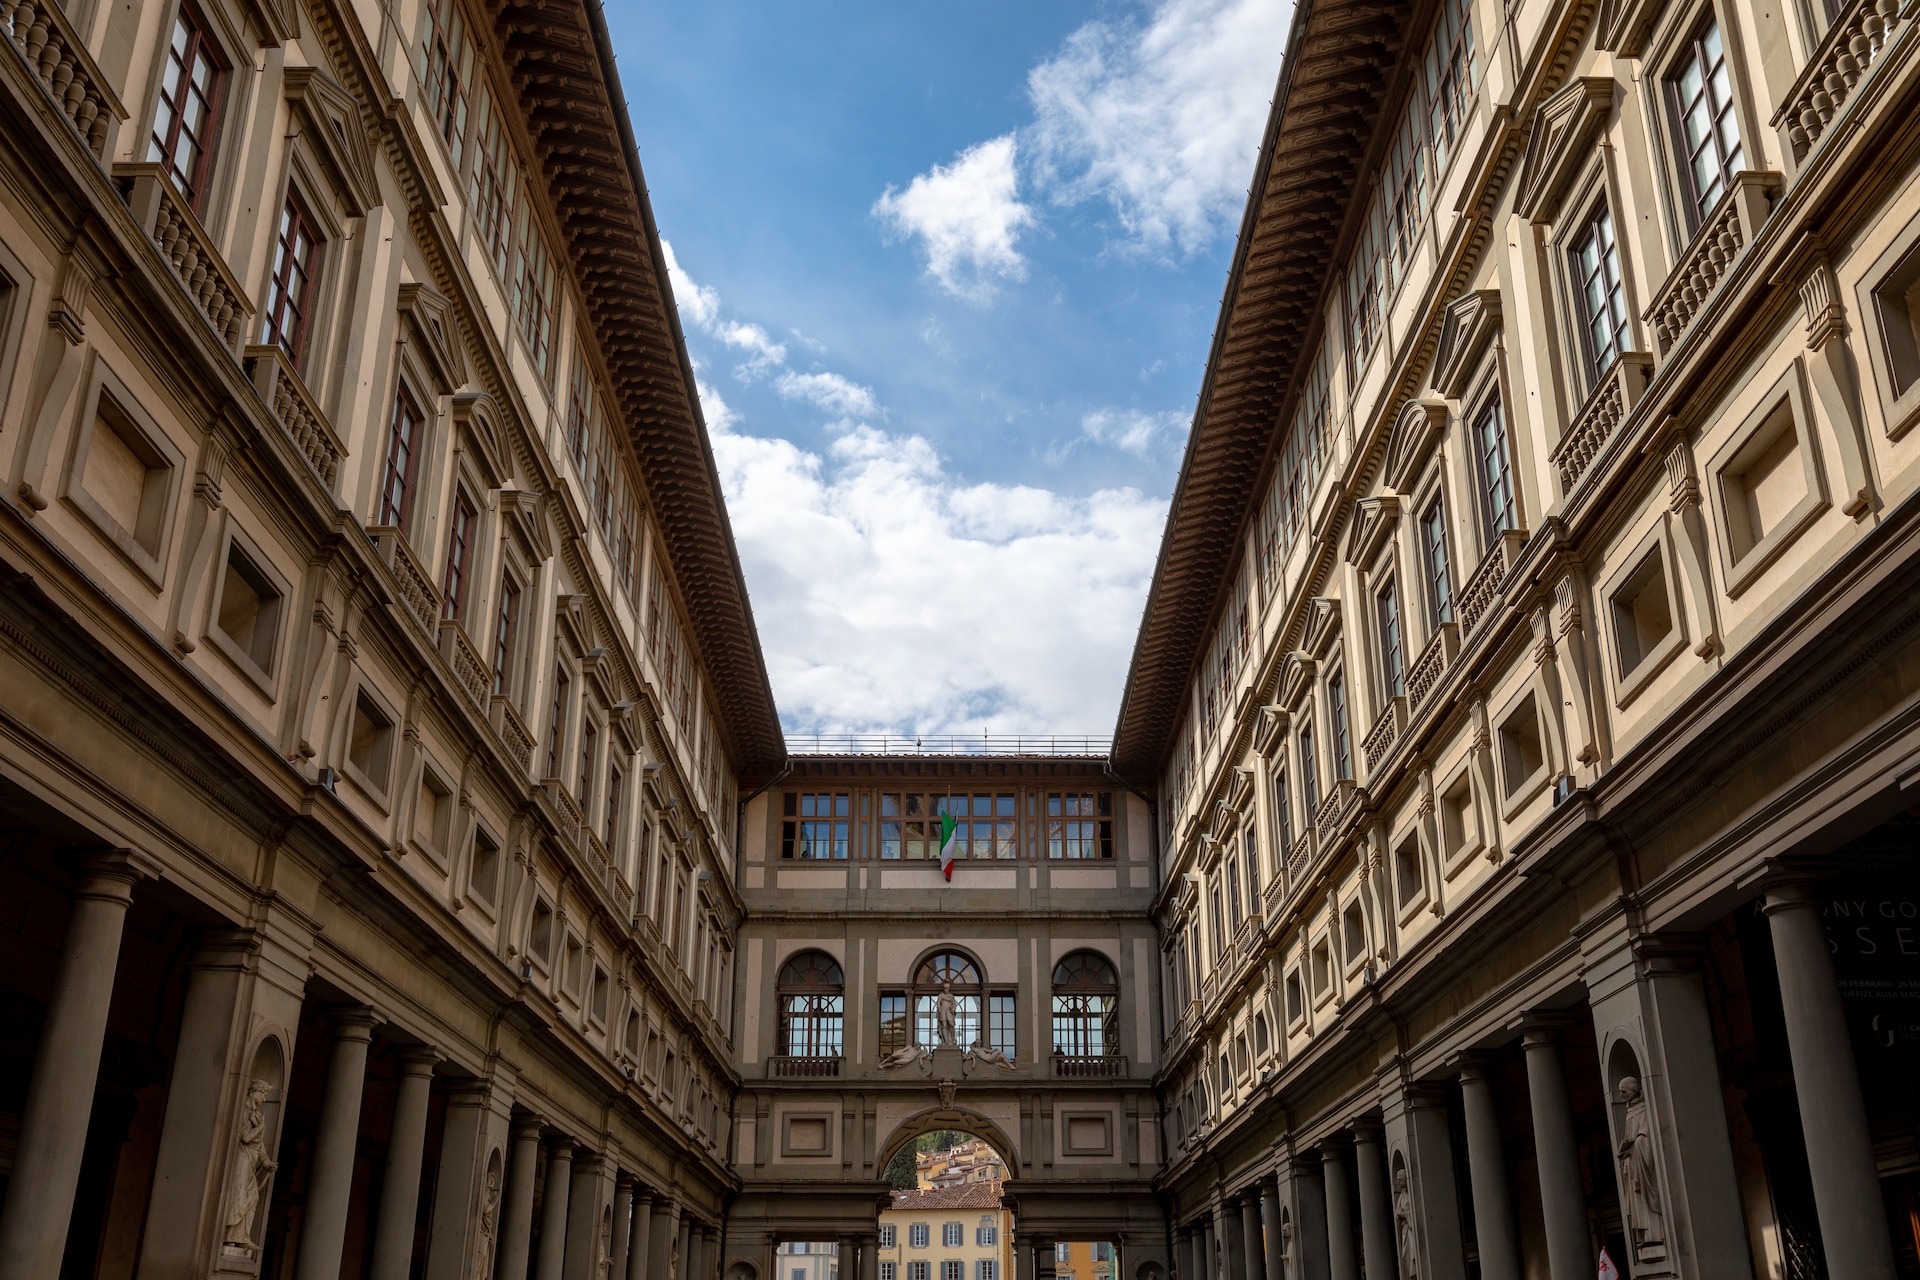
x=949, y=837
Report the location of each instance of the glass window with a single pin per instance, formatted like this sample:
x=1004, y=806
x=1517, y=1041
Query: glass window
x=1496, y=476
x=811, y=993
x=589, y=735
x=403, y=444
x=886, y=1239
x=952, y=1234
x=985, y=826
x=1701, y=90
x=953, y=1268
x=1002, y=1025
x=1309, y=775
x=185, y=118
x=814, y=825
x=1283, y=813
x=888, y=1270
x=459, y=551
x=445, y=66
x=1337, y=714
x=917, y=1235
x=505, y=624
x=1233, y=890
x=290, y=288
x=1393, y=662
x=556, y=721
x=1433, y=549
x=1086, y=997
x=1250, y=855
x=1218, y=923
x=893, y=1022
x=1080, y=824
x=936, y=972
x=1599, y=293
x=918, y=1270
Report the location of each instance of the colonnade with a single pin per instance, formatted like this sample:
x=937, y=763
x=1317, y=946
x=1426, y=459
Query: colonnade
x=219, y=1148
x=1667, y=1128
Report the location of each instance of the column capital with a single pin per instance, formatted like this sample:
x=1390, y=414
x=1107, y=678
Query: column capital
x=622, y=1180
x=1789, y=890
x=526, y=1125
x=1369, y=1129
x=1471, y=1064
x=560, y=1145
x=419, y=1060
x=1540, y=1026
x=642, y=1194
x=1671, y=952
x=112, y=873
x=355, y=1022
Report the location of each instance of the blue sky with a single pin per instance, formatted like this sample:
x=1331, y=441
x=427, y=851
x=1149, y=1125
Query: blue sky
x=948, y=274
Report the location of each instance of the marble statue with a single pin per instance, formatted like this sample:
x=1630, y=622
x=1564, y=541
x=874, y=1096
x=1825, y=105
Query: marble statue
x=988, y=1056
x=251, y=1168
x=946, y=1015
x=489, y=1221
x=1639, y=1180
x=1408, y=1238
x=907, y=1055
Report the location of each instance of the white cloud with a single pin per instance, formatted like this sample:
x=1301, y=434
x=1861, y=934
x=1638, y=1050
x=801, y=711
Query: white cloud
x=762, y=351
x=1162, y=120
x=968, y=216
x=1132, y=430
x=698, y=303
x=828, y=391
x=892, y=594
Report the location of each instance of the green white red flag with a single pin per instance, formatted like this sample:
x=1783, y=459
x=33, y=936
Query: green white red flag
x=949, y=838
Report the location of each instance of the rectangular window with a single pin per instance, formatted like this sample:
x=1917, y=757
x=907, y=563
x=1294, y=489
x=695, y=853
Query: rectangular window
x=1433, y=549
x=532, y=293
x=403, y=443
x=986, y=1237
x=1337, y=714
x=952, y=1235
x=1282, y=813
x=587, y=736
x=917, y=1236
x=1701, y=90
x=493, y=184
x=505, y=623
x=814, y=825
x=953, y=1268
x=893, y=1023
x=988, y=1268
x=556, y=721
x=888, y=1270
x=1217, y=922
x=1393, y=661
x=1599, y=293
x=1309, y=776
x=1080, y=824
x=1233, y=891
x=1001, y=1024
x=1449, y=77
x=1250, y=854
x=459, y=544
x=445, y=67
x=185, y=118
x=886, y=1240
x=1496, y=474
x=910, y=824
x=296, y=256
x=616, y=801
x=918, y=1270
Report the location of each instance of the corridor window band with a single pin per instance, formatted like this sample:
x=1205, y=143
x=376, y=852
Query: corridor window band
x=971, y=992
x=1086, y=1000
x=988, y=825
x=812, y=995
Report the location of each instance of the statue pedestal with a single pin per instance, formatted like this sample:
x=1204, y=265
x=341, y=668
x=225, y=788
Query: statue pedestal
x=947, y=1062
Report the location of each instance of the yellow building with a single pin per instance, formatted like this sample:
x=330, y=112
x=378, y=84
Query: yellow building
x=973, y=1161
x=1083, y=1260
x=958, y=1232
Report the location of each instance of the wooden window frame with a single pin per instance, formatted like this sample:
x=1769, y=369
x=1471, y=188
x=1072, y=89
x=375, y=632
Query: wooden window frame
x=161, y=145
x=294, y=220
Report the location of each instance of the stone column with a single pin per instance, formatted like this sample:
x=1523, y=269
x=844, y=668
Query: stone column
x=1425, y=1200
x=323, y=1226
x=622, y=1224
x=1210, y=1268
x=553, y=1211
x=1833, y=1113
x=1250, y=1236
x=1022, y=1264
x=869, y=1258
x=1342, y=1262
x=664, y=1227
x=1376, y=1207
x=516, y=1217
x=400, y=1191
x=1270, y=1233
x=469, y=1191
x=1307, y=1191
x=847, y=1257
x=1563, y=1202
x=1230, y=1239
x=587, y=1195
x=637, y=1243
x=683, y=1269
x=1493, y=1220
x=66, y=1066
x=1044, y=1261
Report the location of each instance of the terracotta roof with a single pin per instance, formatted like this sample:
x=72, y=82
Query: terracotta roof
x=968, y=1195
x=561, y=60
x=1334, y=84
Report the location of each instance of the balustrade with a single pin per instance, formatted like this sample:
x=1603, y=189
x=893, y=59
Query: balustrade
x=794, y=1067
x=1853, y=44
x=469, y=668
x=417, y=591
x=1385, y=732
x=1725, y=235
x=281, y=386
x=39, y=32
x=1423, y=677
x=166, y=217
x=1619, y=390
x=1072, y=1067
x=514, y=735
x=1483, y=588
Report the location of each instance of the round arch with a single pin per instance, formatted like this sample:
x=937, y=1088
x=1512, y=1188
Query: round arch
x=959, y=1119
x=943, y=948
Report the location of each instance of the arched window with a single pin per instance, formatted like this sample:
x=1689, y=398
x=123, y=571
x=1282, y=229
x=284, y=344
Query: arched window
x=935, y=973
x=1086, y=998
x=812, y=996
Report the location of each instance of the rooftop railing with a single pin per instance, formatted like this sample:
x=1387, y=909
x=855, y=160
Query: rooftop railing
x=899, y=744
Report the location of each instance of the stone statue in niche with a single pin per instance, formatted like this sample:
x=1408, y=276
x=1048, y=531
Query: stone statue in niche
x=1639, y=1179
x=489, y=1220
x=1406, y=1236
x=1286, y=1249
x=946, y=1015
x=251, y=1169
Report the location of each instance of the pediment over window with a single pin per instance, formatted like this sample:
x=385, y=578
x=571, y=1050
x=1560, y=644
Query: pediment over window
x=1415, y=432
x=332, y=128
x=1296, y=677
x=1564, y=130
x=1373, y=522
x=520, y=508
x=1239, y=790
x=1269, y=729
x=430, y=318
x=1323, y=619
x=1469, y=324
x=476, y=413
x=1624, y=25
